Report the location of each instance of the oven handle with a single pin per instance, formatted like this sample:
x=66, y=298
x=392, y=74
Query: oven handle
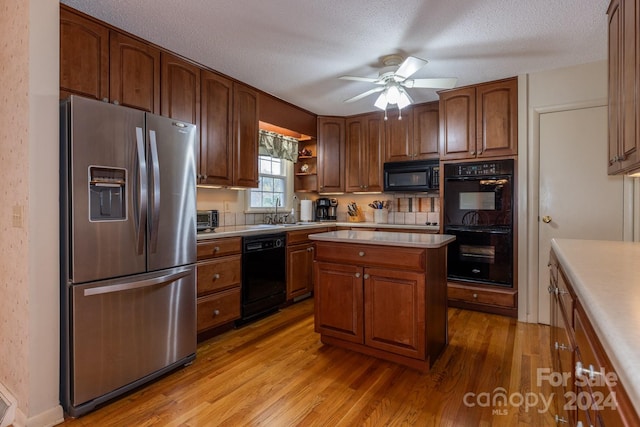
x=475, y=230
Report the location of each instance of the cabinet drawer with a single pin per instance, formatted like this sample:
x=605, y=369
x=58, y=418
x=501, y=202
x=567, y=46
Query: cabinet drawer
x=499, y=297
x=218, y=308
x=302, y=236
x=368, y=255
x=219, y=247
x=219, y=274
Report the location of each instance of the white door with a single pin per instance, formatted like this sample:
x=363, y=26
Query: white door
x=576, y=194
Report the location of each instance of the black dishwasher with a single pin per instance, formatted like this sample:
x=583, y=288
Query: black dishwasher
x=264, y=285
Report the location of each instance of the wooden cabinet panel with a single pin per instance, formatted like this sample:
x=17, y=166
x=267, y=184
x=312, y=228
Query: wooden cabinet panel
x=399, y=139
x=218, y=309
x=216, y=136
x=458, y=123
x=180, y=89
x=331, y=154
x=299, y=270
x=426, y=124
x=219, y=247
x=84, y=57
x=245, y=136
x=364, y=153
x=497, y=118
x=395, y=311
x=339, y=302
x=134, y=73
x=219, y=274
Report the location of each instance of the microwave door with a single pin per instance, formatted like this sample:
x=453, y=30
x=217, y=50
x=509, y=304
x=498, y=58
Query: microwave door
x=103, y=190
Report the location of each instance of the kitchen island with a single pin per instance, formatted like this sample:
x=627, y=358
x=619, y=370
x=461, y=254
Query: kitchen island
x=383, y=294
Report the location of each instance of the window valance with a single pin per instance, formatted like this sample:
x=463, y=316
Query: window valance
x=279, y=146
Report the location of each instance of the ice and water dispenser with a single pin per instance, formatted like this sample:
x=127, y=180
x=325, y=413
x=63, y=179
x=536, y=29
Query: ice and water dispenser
x=107, y=194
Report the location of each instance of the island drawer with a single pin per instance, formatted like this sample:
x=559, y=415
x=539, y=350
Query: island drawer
x=368, y=255
x=219, y=247
x=499, y=297
x=302, y=236
x=219, y=273
x=218, y=308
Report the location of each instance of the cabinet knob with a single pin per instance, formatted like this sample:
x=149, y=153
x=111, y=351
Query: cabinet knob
x=550, y=289
x=559, y=346
x=216, y=249
x=116, y=102
x=216, y=312
x=475, y=296
x=547, y=219
x=310, y=249
x=357, y=275
x=560, y=420
x=361, y=253
x=216, y=276
x=472, y=152
x=205, y=176
x=105, y=99
x=366, y=276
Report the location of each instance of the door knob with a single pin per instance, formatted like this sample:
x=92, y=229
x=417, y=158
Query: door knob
x=546, y=219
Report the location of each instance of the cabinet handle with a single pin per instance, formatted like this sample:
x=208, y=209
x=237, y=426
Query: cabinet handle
x=357, y=275
x=551, y=289
x=584, y=371
x=366, y=276
x=216, y=276
x=361, y=253
x=216, y=312
x=559, y=346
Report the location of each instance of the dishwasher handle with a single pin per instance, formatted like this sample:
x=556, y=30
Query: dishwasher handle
x=166, y=279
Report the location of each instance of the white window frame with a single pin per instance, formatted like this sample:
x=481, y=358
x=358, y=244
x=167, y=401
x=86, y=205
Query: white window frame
x=287, y=203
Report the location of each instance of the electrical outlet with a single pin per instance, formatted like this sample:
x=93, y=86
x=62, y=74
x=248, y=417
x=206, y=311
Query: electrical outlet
x=227, y=206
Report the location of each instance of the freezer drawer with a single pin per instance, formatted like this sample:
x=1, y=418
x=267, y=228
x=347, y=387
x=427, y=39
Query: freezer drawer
x=125, y=330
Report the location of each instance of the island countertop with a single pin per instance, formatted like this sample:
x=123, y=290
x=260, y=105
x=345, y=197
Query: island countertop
x=385, y=238
x=606, y=278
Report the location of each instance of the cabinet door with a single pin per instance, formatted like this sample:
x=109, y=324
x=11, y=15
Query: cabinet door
x=299, y=270
x=134, y=73
x=374, y=152
x=338, y=299
x=84, y=57
x=630, y=135
x=458, y=123
x=426, y=118
x=399, y=136
x=497, y=118
x=615, y=78
x=216, y=138
x=245, y=136
x=331, y=154
x=364, y=153
x=395, y=311
x=180, y=89
x=355, y=152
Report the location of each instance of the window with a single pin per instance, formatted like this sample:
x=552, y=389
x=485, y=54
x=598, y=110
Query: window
x=273, y=184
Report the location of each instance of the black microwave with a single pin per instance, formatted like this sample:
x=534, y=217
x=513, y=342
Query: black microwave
x=412, y=176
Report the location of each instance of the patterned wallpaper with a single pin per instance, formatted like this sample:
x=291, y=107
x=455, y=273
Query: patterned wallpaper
x=14, y=192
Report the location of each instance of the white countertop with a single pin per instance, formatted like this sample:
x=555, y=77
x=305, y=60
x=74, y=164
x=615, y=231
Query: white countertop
x=385, y=238
x=255, y=229
x=606, y=279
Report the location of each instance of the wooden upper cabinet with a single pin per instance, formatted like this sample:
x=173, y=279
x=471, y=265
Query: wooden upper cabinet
x=497, y=118
x=84, y=57
x=426, y=124
x=245, y=136
x=479, y=121
x=134, y=73
x=216, y=136
x=331, y=154
x=458, y=123
x=364, y=152
x=624, y=129
x=180, y=89
x=398, y=138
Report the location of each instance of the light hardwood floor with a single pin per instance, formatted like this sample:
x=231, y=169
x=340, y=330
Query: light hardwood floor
x=276, y=372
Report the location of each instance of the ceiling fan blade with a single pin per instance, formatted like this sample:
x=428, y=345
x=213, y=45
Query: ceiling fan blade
x=409, y=66
x=365, y=94
x=361, y=79
x=442, y=83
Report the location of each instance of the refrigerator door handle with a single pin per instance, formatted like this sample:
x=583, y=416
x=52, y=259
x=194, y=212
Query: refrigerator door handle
x=155, y=178
x=142, y=196
x=165, y=280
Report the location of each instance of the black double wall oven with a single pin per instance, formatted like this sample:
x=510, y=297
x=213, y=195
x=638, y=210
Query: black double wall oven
x=478, y=210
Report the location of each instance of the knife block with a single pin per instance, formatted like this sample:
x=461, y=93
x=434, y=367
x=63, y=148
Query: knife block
x=357, y=218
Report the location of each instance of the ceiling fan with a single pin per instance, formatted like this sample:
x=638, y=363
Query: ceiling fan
x=393, y=81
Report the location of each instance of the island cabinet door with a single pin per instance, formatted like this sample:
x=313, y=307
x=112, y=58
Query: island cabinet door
x=395, y=311
x=338, y=299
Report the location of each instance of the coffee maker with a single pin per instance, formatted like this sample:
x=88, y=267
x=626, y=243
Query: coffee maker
x=326, y=209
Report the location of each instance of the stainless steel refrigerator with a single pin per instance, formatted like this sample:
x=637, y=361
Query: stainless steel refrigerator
x=128, y=250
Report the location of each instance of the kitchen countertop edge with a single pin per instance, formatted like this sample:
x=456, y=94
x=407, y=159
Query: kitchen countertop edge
x=604, y=276
x=385, y=238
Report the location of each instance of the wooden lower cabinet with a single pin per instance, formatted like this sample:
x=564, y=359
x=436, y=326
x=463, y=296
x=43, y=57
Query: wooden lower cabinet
x=591, y=394
x=485, y=298
x=300, y=251
x=389, y=302
x=219, y=278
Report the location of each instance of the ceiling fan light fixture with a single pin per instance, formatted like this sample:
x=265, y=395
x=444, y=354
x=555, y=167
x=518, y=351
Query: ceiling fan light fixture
x=403, y=100
x=381, y=102
x=393, y=94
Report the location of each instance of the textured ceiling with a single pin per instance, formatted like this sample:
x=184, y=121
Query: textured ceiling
x=297, y=49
